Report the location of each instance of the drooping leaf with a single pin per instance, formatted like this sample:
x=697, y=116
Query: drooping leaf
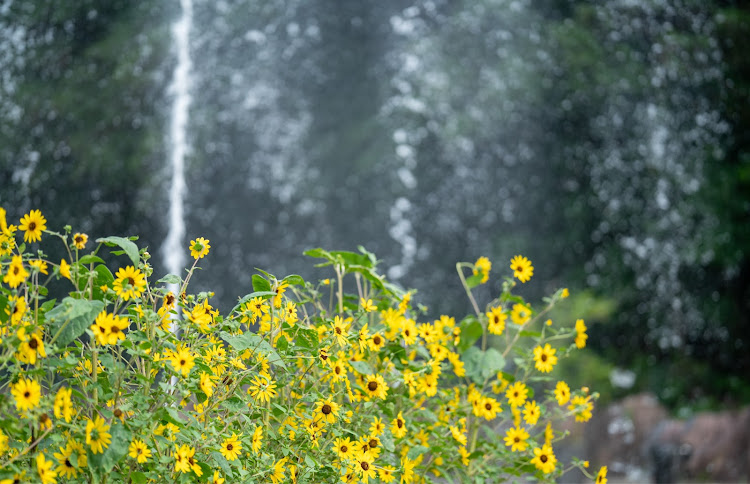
x=128, y=246
x=72, y=316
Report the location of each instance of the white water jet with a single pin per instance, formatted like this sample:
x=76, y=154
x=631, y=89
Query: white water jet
x=173, y=250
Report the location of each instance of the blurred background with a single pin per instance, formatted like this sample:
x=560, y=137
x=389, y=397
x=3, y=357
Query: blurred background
x=609, y=142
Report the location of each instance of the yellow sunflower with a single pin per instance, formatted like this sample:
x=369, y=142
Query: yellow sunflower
x=129, y=283
x=544, y=459
x=97, y=435
x=199, y=248
x=398, y=426
x=231, y=448
x=139, y=451
x=522, y=268
x=16, y=272
x=515, y=438
x=496, y=320
x=544, y=358
x=27, y=394
x=33, y=223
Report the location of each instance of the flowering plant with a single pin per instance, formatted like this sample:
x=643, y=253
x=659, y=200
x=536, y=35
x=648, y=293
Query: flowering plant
x=126, y=379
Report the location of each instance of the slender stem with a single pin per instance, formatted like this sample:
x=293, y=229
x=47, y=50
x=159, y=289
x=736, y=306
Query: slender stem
x=459, y=268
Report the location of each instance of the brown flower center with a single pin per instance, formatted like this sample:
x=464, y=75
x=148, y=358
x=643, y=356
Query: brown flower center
x=182, y=362
x=372, y=386
x=326, y=409
x=488, y=406
x=376, y=340
x=399, y=423
x=544, y=358
x=344, y=449
x=118, y=413
x=33, y=343
x=26, y=394
x=365, y=466
x=32, y=226
x=373, y=443
x=543, y=458
x=230, y=447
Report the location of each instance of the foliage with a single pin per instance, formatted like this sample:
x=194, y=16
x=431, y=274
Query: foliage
x=130, y=379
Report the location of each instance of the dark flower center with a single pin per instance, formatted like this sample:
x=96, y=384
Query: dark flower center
x=326, y=409
x=372, y=386
x=517, y=439
x=373, y=443
x=32, y=226
x=543, y=458
x=230, y=447
x=68, y=464
x=344, y=449
x=182, y=362
x=544, y=357
x=376, y=340
x=169, y=300
x=26, y=394
x=399, y=423
x=365, y=466
x=33, y=344
x=118, y=413
x=488, y=406
x=131, y=281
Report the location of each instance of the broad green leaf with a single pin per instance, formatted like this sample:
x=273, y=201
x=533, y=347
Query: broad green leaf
x=219, y=459
x=295, y=280
x=252, y=341
x=362, y=367
x=170, y=279
x=471, y=331
x=263, y=294
x=71, y=318
x=137, y=477
x=90, y=259
x=474, y=281
x=127, y=245
x=260, y=284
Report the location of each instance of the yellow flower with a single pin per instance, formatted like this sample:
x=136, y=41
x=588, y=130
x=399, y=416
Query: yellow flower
x=217, y=479
x=65, y=269
x=231, y=448
x=27, y=394
x=344, y=448
x=522, y=268
x=16, y=272
x=565, y=293
x=409, y=332
x=326, y=411
x=407, y=472
x=531, y=412
x=581, y=335
x=544, y=358
x=7, y=244
x=262, y=388
x=483, y=266
x=207, y=384
x=364, y=467
x=458, y=435
x=464, y=455
x=562, y=393
x=521, y=314
x=340, y=330
x=398, y=426
x=544, y=459
x=39, y=265
x=139, y=451
x=377, y=427
x=108, y=328
x=278, y=471
x=386, y=473
x=199, y=248
x=515, y=438
x=168, y=431
x=496, y=320
x=516, y=394
x=367, y=305
x=489, y=408
x=582, y=407
x=182, y=360
x=376, y=342
x=183, y=455
x=548, y=434
x=601, y=477
x=97, y=435
x=33, y=223
x=31, y=346
x=67, y=469
x=257, y=438
x=44, y=469
x=80, y=240
x=129, y=283
x=375, y=387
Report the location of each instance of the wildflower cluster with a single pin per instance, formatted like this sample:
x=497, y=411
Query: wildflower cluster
x=134, y=380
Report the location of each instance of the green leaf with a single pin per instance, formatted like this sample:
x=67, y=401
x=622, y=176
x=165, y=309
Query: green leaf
x=471, y=331
x=387, y=440
x=415, y=452
x=474, y=281
x=530, y=334
x=252, y=341
x=137, y=477
x=295, y=280
x=72, y=317
x=482, y=365
x=260, y=283
x=90, y=259
x=118, y=448
x=128, y=246
x=318, y=253
x=170, y=279
x=362, y=367
x=222, y=463
x=45, y=307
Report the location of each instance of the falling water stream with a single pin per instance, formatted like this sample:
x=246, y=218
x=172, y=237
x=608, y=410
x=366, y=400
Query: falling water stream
x=174, y=253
